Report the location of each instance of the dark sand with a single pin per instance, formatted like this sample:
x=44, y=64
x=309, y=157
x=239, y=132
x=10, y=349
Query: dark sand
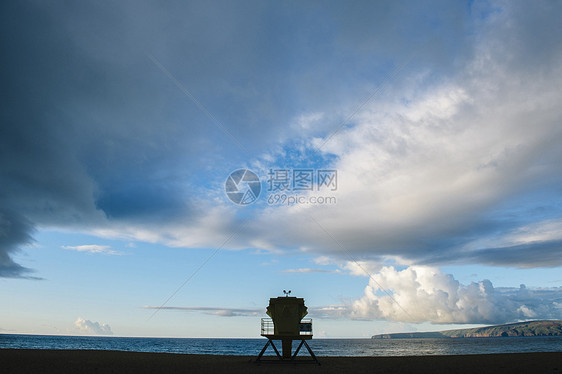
x=59, y=361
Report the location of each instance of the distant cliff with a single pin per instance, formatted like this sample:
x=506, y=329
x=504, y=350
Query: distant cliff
x=531, y=328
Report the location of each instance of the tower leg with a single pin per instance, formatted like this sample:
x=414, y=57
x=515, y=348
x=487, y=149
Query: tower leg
x=263, y=350
x=269, y=341
x=311, y=353
x=287, y=345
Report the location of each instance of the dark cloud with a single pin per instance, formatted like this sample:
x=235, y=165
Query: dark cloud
x=15, y=231
x=90, y=128
x=531, y=40
x=547, y=253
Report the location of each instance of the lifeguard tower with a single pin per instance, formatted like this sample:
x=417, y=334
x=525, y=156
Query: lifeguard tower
x=287, y=324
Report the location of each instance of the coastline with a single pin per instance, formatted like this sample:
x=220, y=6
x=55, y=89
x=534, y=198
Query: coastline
x=92, y=361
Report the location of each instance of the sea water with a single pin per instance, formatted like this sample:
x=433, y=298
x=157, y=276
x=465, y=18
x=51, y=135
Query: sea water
x=321, y=347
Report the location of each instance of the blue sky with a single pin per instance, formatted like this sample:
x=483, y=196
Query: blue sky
x=121, y=122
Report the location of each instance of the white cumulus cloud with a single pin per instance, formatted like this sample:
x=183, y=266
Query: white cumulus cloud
x=92, y=328
x=426, y=294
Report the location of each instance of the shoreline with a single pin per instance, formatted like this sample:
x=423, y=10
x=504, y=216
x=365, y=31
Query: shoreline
x=95, y=361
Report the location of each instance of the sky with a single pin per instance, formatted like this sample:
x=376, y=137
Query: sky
x=167, y=167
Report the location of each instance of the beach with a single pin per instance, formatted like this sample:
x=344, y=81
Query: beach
x=94, y=361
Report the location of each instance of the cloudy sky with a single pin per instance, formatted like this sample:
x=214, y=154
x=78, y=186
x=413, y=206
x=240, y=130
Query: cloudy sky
x=408, y=157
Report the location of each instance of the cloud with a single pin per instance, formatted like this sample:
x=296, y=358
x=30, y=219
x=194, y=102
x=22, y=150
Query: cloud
x=15, y=231
x=221, y=312
x=88, y=327
x=544, y=253
x=444, y=165
x=87, y=145
x=543, y=239
x=105, y=249
x=420, y=294
x=434, y=173
x=329, y=311
x=436, y=162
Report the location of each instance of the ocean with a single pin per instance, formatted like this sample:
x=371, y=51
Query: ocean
x=321, y=347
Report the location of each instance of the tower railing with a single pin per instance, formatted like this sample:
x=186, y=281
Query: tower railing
x=267, y=327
